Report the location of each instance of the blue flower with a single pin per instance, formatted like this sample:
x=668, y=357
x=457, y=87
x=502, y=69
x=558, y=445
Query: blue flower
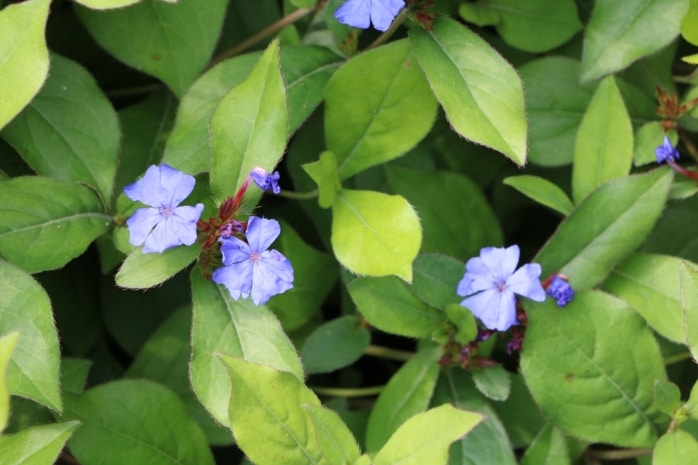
x=560, y=290
x=165, y=225
x=361, y=13
x=666, y=152
x=265, y=181
x=490, y=285
x=252, y=270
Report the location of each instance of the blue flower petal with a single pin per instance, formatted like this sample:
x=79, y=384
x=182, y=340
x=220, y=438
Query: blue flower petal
x=383, y=12
x=500, y=261
x=355, y=13
x=270, y=277
x=176, y=186
x=526, y=282
x=261, y=233
x=234, y=251
x=147, y=189
x=164, y=236
x=496, y=310
x=141, y=224
x=236, y=278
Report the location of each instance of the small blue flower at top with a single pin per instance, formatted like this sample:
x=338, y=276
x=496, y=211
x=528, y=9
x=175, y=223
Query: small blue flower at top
x=165, y=224
x=265, y=181
x=490, y=285
x=252, y=270
x=560, y=290
x=361, y=13
x=666, y=152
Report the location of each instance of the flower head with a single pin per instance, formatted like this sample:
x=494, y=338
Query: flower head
x=252, y=270
x=666, y=152
x=560, y=290
x=361, y=13
x=165, y=224
x=265, y=181
x=490, y=284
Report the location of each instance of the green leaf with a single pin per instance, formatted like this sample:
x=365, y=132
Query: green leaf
x=570, y=362
x=334, y=438
x=267, y=415
x=172, y=42
x=249, y=127
x=143, y=271
x=549, y=448
x=8, y=342
x=494, y=382
x=366, y=125
x=647, y=138
x=446, y=204
x=239, y=328
x=479, y=14
x=25, y=61
x=45, y=223
x=519, y=414
x=334, y=345
x=650, y=285
x=106, y=4
x=426, y=437
x=74, y=372
x=483, y=103
x=34, y=366
x=36, y=445
x=375, y=234
x=667, y=396
x=407, y=393
x=609, y=224
x=676, y=447
x=137, y=422
x=324, y=173
x=69, y=130
x=604, y=146
x=555, y=105
x=534, y=26
x=436, y=278
x=619, y=33
x=689, y=24
x=388, y=305
x=688, y=280
x=542, y=191
x=315, y=274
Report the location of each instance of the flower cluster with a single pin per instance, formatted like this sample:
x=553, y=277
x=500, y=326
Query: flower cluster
x=559, y=289
x=248, y=268
x=361, y=13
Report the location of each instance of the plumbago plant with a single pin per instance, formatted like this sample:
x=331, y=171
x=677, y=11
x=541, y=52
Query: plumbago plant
x=348, y=232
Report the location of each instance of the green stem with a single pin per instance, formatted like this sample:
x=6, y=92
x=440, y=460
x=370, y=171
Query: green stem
x=386, y=352
x=348, y=392
x=676, y=358
x=299, y=195
x=616, y=454
x=399, y=19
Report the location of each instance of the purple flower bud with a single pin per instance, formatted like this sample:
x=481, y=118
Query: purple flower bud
x=361, y=13
x=265, y=181
x=560, y=290
x=666, y=152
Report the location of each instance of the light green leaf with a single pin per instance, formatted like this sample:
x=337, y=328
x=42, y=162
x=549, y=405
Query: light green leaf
x=239, y=328
x=647, y=138
x=36, y=445
x=334, y=345
x=689, y=24
x=367, y=124
x=446, y=204
x=688, y=279
x=106, y=4
x=542, y=191
x=604, y=147
x=549, y=448
x=249, y=127
x=35, y=363
x=483, y=103
x=334, y=438
x=534, y=26
x=676, y=447
x=389, y=306
x=137, y=421
x=8, y=343
x=494, y=382
x=555, y=105
x=267, y=415
x=667, y=396
x=45, y=223
x=172, y=42
x=24, y=64
x=407, y=393
x=570, y=362
x=69, y=130
x=143, y=271
x=375, y=234
x=690, y=59
x=619, y=33
x=606, y=227
x=426, y=437
x=650, y=285
x=324, y=173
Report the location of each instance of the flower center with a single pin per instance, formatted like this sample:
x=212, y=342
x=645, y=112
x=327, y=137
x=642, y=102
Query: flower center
x=255, y=257
x=166, y=211
x=501, y=286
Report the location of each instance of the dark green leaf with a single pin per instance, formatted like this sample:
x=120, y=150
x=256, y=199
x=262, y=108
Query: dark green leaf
x=335, y=345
